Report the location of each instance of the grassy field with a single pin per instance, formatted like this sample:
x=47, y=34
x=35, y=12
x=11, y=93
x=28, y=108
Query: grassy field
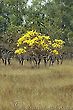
x=26, y=88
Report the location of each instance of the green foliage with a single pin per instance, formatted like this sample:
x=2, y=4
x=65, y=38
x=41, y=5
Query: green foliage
x=50, y=17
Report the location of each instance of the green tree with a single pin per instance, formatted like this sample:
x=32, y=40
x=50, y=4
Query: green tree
x=11, y=19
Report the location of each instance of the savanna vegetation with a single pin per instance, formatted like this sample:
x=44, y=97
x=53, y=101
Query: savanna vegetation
x=26, y=88
x=37, y=26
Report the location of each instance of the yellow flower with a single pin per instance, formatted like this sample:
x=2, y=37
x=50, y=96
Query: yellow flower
x=20, y=51
x=25, y=47
x=55, y=52
x=59, y=41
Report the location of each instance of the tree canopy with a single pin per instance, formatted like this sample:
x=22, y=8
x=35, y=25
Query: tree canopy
x=50, y=17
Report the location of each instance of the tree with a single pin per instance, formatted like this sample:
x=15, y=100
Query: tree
x=11, y=19
x=50, y=17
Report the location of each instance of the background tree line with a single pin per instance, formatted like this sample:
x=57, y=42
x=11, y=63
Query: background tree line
x=50, y=17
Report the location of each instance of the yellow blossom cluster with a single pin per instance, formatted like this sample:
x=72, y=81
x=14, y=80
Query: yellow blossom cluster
x=27, y=38
x=55, y=52
x=58, y=43
x=20, y=51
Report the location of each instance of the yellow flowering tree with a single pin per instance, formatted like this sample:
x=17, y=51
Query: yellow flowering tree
x=35, y=42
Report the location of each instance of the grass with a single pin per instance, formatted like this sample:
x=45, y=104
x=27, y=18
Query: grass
x=26, y=88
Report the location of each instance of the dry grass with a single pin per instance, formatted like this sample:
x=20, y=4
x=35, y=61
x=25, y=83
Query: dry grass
x=26, y=88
